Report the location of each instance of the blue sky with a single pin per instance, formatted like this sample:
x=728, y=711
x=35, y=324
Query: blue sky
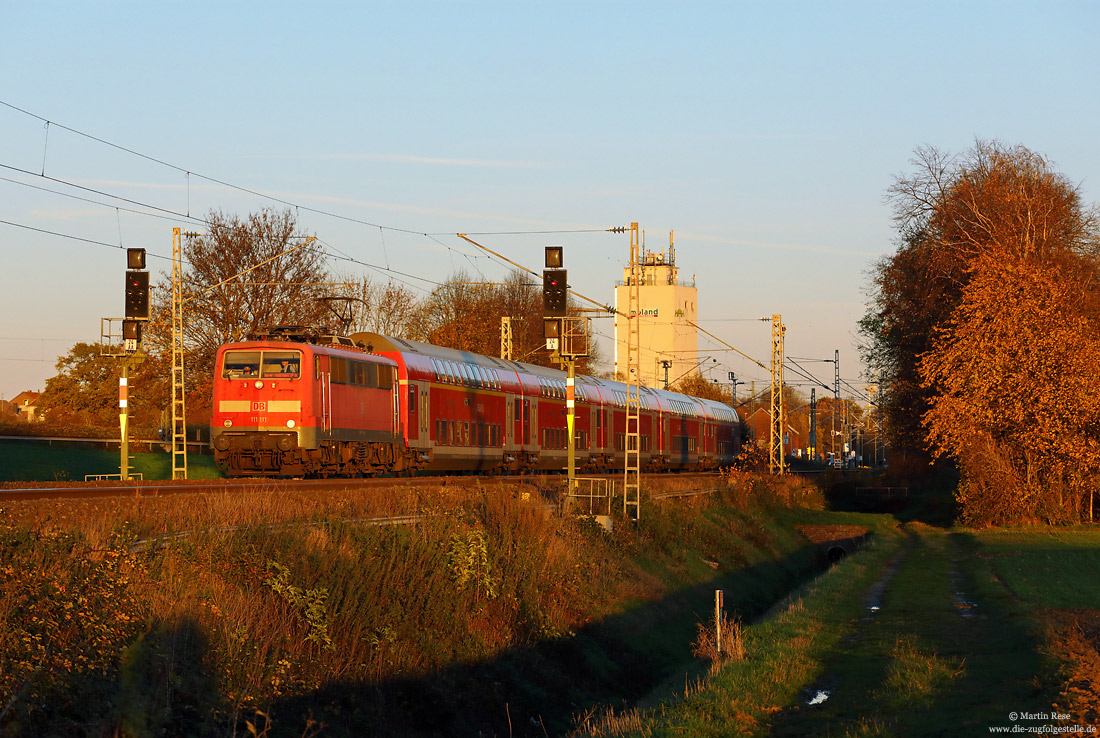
x=764, y=134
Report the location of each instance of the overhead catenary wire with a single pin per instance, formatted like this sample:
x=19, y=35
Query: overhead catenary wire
x=71, y=237
x=188, y=173
x=158, y=211
x=161, y=212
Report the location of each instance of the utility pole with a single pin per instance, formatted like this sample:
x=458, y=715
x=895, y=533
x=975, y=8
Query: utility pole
x=813, y=423
x=561, y=339
x=836, y=400
x=872, y=393
x=734, y=381
x=632, y=469
x=179, y=402
x=777, y=461
x=506, y=337
x=137, y=310
x=666, y=364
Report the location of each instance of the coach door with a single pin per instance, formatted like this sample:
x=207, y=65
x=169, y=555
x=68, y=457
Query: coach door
x=412, y=411
x=509, y=415
x=424, y=415
x=593, y=413
x=531, y=429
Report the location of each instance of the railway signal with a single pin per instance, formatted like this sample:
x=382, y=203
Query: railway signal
x=553, y=293
x=135, y=258
x=137, y=285
x=551, y=330
x=554, y=257
x=131, y=331
x=553, y=284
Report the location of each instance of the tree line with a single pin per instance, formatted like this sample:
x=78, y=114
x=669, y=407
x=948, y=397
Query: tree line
x=244, y=275
x=984, y=326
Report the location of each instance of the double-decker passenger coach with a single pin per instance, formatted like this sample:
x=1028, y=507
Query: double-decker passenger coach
x=295, y=403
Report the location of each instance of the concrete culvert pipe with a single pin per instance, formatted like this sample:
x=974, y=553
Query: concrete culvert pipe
x=835, y=554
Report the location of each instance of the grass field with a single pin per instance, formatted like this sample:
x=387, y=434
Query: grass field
x=924, y=633
x=1057, y=568
x=38, y=461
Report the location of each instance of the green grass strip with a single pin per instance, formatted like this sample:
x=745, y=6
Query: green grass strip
x=783, y=654
x=949, y=651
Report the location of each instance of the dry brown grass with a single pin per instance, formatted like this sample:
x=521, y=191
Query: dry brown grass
x=389, y=598
x=1074, y=637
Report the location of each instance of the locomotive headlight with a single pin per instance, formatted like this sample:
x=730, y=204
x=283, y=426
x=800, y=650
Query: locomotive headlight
x=259, y=384
x=290, y=424
x=228, y=423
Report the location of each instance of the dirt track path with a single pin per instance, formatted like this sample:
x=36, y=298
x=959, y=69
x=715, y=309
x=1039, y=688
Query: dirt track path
x=930, y=656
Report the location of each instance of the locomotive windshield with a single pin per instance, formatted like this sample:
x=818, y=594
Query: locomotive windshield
x=267, y=364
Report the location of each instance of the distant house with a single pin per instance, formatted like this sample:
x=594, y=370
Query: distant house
x=25, y=404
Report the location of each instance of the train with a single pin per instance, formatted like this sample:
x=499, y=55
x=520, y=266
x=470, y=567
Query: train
x=291, y=402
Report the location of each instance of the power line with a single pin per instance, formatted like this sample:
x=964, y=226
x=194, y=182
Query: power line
x=69, y=236
x=173, y=213
x=345, y=257
x=188, y=173
x=89, y=200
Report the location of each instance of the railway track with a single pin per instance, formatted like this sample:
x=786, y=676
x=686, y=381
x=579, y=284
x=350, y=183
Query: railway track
x=89, y=490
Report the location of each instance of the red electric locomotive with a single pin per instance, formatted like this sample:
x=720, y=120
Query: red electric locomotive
x=286, y=404
x=296, y=404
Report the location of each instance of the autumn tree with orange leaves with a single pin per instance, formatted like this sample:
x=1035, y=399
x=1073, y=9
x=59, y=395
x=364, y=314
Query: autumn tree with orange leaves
x=985, y=326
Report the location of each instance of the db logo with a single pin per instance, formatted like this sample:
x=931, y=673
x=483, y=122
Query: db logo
x=259, y=407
